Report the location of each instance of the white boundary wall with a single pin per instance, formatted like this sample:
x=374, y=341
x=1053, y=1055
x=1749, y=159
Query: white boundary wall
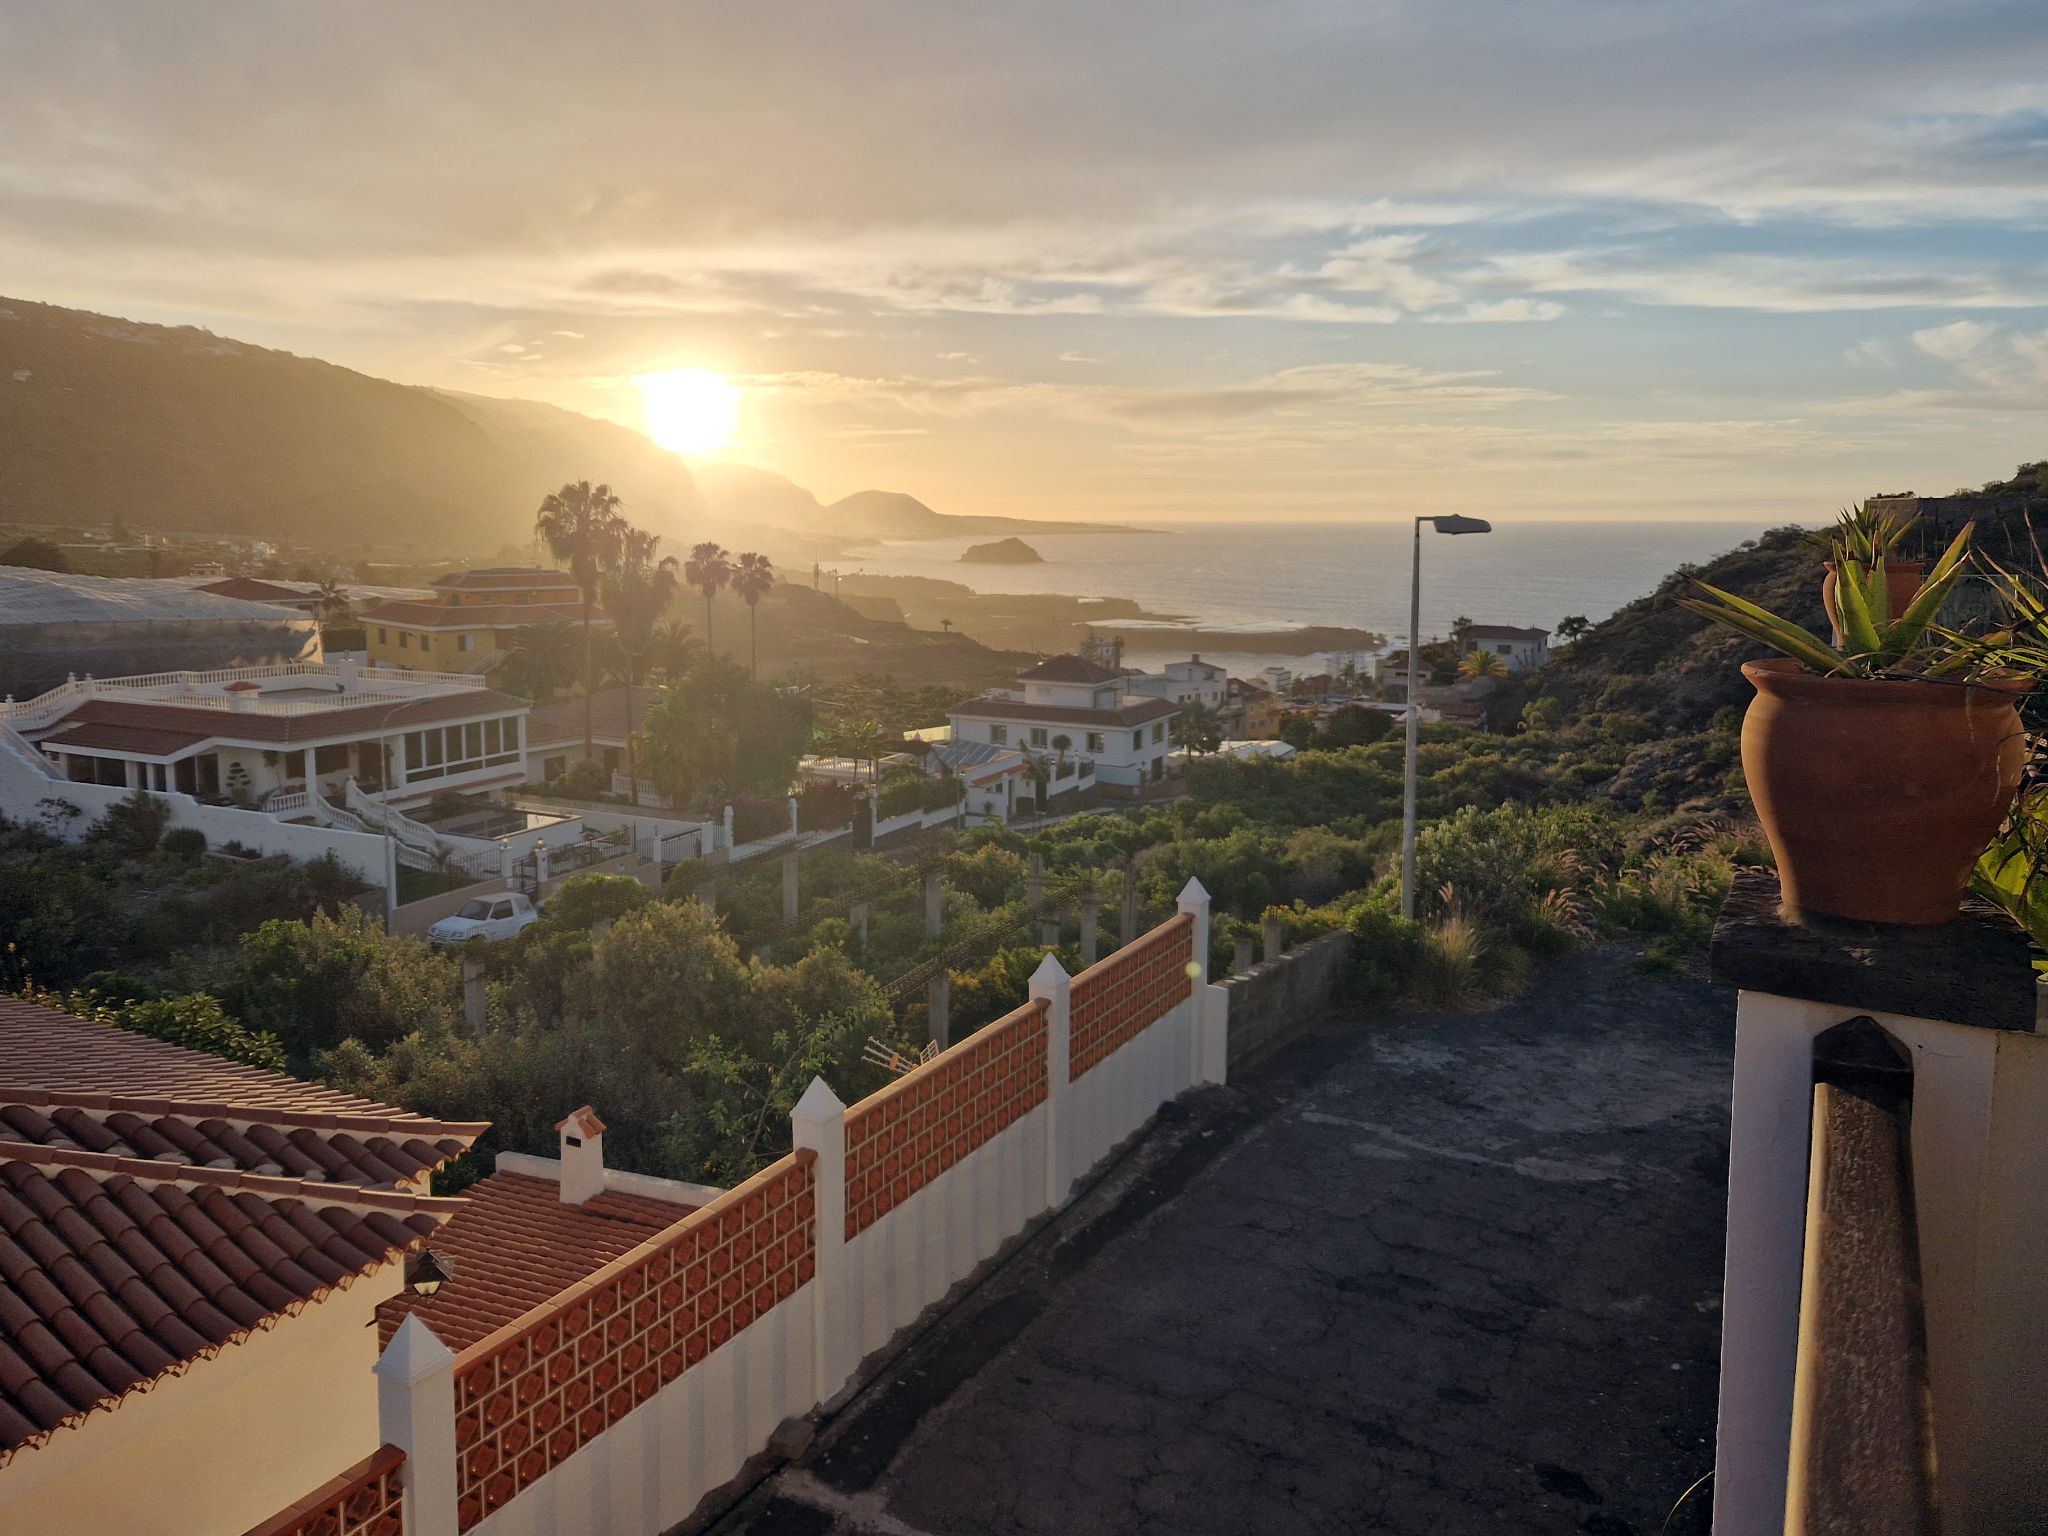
x=22, y=792
x=652, y=1467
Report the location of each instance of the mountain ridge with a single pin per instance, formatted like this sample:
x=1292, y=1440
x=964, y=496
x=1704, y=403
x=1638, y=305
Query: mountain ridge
x=104, y=419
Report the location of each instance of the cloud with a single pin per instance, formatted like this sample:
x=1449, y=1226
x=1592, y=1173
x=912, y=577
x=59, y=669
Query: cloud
x=1872, y=352
x=1078, y=357
x=1501, y=312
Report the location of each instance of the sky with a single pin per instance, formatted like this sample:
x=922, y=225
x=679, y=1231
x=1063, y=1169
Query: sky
x=1287, y=259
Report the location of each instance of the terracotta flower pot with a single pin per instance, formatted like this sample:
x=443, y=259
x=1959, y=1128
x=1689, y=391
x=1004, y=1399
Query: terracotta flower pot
x=1877, y=796
x=1902, y=579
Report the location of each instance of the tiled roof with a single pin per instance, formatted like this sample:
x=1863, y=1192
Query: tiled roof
x=1068, y=669
x=126, y=738
x=475, y=615
x=1129, y=712
x=504, y=578
x=515, y=1245
x=292, y=730
x=157, y=1204
x=561, y=723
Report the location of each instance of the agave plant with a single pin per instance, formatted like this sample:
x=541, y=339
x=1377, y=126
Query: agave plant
x=1866, y=533
x=1874, y=643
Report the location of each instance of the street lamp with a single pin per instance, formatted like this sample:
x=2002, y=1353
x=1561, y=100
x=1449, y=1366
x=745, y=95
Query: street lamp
x=1448, y=523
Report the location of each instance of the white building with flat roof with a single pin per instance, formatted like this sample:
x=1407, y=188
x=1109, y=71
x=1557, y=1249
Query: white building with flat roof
x=1079, y=720
x=1193, y=681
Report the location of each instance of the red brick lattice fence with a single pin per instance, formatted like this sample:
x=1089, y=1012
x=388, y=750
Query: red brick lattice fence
x=904, y=1136
x=1119, y=998
x=530, y=1395
x=363, y=1501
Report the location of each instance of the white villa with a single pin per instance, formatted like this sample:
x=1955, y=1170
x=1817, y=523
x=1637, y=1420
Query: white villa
x=260, y=737
x=1522, y=648
x=1077, y=718
x=1193, y=681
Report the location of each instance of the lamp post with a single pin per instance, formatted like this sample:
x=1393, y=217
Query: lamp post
x=1448, y=523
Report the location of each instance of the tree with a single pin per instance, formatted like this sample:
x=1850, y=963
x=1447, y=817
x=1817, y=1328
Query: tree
x=688, y=745
x=751, y=580
x=1479, y=664
x=637, y=591
x=672, y=649
x=707, y=570
x=862, y=740
x=542, y=657
x=36, y=555
x=1198, y=728
x=946, y=626
x=1572, y=626
x=581, y=528
x=1356, y=726
x=335, y=608
x=1298, y=731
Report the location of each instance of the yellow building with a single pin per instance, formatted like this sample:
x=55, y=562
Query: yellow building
x=472, y=616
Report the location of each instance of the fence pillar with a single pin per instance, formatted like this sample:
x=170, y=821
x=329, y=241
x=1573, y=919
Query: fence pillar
x=934, y=903
x=1275, y=939
x=857, y=915
x=416, y=1413
x=792, y=816
x=1241, y=956
x=1091, y=922
x=789, y=891
x=390, y=885
x=540, y=867
x=656, y=852
x=506, y=860
x=1050, y=983
x=475, y=998
x=728, y=829
x=938, y=995
x=1128, y=926
x=1208, y=1024
x=819, y=1123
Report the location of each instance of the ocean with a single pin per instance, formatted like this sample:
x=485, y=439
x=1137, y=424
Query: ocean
x=1281, y=575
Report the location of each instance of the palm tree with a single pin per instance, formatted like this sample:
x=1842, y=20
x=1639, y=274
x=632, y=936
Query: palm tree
x=751, y=580
x=637, y=591
x=671, y=649
x=946, y=625
x=707, y=570
x=580, y=527
x=863, y=739
x=336, y=610
x=1480, y=663
x=542, y=657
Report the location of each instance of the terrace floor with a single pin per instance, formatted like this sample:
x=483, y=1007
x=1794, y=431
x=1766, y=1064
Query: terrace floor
x=1431, y=1273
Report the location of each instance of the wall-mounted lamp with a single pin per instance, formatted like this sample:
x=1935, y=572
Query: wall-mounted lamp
x=427, y=1273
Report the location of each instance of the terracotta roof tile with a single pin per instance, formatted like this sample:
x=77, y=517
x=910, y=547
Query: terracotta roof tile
x=515, y=1245
x=157, y=1205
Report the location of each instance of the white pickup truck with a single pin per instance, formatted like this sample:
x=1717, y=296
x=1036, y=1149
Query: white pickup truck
x=496, y=916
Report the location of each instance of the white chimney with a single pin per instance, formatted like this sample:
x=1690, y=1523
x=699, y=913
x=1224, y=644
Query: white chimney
x=582, y=1137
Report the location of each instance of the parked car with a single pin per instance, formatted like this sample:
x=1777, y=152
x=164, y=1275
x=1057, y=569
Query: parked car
x=497, y=916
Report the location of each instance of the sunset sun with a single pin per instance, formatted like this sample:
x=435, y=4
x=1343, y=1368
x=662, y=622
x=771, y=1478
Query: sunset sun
x=689, y=410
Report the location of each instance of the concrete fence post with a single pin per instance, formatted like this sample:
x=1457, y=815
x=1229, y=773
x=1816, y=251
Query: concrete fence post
x=819, y=1123
x=1242, y=957
x=938, y=994
x=540, y=866
x=1050, y=984
x=390, y=886
x=857, y=916
x=727, y=828
x=475, y=997
x=789, y=887
x=416, y=1413
x=506, y=859
x=1275, y=937
x=1204, y=1051
x=792, y=816
x=1127, y=928
x=934, y=903
x=1091, y=925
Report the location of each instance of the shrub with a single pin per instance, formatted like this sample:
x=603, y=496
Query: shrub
x=1447, y=973
x=1385, y=954
x=186, y=843
x=754, y=818
x=822, y=805
x=133, y=826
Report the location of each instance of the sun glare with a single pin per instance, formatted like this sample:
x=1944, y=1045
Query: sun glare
x=689, y=410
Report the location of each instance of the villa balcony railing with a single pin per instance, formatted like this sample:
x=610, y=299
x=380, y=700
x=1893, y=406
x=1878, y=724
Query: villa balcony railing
x=395, y=685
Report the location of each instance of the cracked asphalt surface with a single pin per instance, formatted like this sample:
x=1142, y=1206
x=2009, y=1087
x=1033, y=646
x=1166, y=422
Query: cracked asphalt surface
x=1431, y=1273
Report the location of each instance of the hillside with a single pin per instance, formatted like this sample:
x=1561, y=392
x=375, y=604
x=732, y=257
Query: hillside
x=1656, y=659
x=179, y=430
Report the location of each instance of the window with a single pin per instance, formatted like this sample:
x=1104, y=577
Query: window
x=1159, y=732
x=382, y=638
x=502, y=909
x=465, y=642
x=1138, y=738
x=404, y=640
x=426, y=642
x=1038, y=735
x=999, y=734
x=1506, y=649
x=1095, y=741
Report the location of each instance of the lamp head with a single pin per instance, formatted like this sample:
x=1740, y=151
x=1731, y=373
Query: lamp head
x=1456, y=522
x=427, y=1272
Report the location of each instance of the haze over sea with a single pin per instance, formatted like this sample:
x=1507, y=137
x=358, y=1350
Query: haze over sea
x=1280, y=575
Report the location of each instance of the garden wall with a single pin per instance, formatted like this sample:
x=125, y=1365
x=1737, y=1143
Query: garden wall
x=1278, y=1001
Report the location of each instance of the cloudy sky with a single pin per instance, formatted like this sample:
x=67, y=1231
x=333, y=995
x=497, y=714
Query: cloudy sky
x=1290, y=258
